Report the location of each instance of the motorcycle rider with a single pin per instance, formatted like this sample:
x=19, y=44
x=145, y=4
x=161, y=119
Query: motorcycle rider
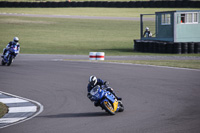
x=10, y=44
x=94, y=81
x=147, y=32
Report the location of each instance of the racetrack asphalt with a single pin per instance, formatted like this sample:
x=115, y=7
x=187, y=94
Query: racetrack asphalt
x=156, y=100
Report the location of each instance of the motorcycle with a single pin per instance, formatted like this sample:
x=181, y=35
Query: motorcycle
x=9, y=56
x=107, y=100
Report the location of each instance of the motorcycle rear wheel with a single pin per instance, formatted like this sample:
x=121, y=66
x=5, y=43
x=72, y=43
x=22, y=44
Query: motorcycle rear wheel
x=108, y=107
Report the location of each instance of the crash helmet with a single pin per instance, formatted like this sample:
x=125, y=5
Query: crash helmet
x=93, y=80
x=16, y=39
x=147, y=28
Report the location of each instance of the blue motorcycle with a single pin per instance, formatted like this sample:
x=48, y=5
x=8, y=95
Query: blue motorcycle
x=9, y=56
x=107, y=100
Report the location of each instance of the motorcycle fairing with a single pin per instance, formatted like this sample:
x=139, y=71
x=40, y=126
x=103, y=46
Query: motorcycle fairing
x=111, y=98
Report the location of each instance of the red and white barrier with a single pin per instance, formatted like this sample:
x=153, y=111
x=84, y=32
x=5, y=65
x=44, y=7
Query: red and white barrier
x=93, y=55
x=96, y=56
x=100, y=55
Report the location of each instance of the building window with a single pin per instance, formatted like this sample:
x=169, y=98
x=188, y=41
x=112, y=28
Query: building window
x=195, y=18
x=189, y=18
x=166, y=19
x=182, y=18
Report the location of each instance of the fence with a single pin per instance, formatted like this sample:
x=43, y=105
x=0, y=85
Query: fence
x=166, y=47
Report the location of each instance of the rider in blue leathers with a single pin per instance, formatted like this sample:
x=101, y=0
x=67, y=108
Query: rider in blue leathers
x=12, y=43
x=94, y=81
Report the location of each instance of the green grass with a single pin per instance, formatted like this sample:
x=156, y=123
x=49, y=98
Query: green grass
x=69, y=36
x=113, y=12
x=193, y=64
x=3, y=109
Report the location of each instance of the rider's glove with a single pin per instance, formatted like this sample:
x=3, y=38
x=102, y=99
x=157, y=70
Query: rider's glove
x=106, y=83
x=110, y=89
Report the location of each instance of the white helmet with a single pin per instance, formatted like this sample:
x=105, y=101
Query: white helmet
x=147, y=28
x=16, y=39
x=93, y=80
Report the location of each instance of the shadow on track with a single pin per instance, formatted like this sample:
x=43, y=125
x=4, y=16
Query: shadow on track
x=76, y=115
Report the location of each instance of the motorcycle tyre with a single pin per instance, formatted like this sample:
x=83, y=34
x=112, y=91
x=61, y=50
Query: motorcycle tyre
x=121, y=109
x=3, y=63
x=107, y=109
x=9, y=61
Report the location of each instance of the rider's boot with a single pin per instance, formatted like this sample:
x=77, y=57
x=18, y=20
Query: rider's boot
x=4, y=52
x=96, y=104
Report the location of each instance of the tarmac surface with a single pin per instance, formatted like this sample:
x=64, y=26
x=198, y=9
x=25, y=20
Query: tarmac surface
x=156, y=100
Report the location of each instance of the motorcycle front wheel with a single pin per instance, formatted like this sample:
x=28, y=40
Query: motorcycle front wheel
x=2, y=63
x=108, y=107
x=121, y=109
x=9, y=61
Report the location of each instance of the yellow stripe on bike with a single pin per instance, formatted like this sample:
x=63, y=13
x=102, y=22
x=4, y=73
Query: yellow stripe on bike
x=115, y=105
x=110, y=108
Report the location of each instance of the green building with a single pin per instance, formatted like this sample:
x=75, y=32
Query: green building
x=175, y=26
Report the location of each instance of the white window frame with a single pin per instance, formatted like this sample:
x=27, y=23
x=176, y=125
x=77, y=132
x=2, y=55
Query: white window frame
x=187, y=16
x=167, y=19
x=197, y=17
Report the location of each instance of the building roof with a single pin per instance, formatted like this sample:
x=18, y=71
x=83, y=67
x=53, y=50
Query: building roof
x=179, y=11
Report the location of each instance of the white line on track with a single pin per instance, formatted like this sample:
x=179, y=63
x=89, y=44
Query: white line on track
x=11, y=120
x=158, y=66
x=198, y=70
x=22, y=109
x=12, y=100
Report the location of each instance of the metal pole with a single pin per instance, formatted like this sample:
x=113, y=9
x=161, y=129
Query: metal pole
x=141, y=26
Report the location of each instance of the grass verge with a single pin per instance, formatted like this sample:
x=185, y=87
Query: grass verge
x=69, y=36
x=109, y=12
x=192, y=64
x=3, y=109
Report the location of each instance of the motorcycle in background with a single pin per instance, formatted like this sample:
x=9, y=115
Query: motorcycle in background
x=107, y=100
x=9, y=56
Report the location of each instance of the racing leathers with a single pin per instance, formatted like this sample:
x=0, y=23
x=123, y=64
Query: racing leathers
x=10, y=44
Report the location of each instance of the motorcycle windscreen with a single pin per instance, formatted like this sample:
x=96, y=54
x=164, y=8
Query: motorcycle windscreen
x=94, y=90
x=95, y=93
